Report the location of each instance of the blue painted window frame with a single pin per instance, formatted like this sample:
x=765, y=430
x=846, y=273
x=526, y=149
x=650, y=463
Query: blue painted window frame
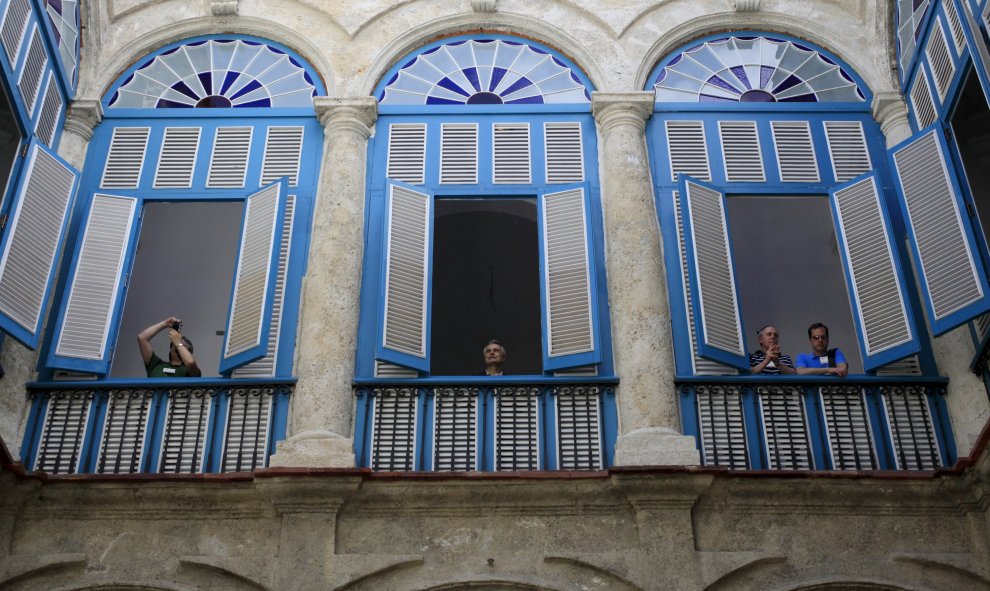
x=376, y=210
x=259, y=119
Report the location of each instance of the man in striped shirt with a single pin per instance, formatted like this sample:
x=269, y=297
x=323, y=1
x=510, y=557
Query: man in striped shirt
x=768, y=358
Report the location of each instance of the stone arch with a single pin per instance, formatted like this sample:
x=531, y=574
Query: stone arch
x=160, y=37
x=401, y=46
x=695, y=29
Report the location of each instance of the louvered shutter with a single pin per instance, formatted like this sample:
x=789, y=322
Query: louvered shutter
x=796, y=161
x=52, y=110
x=717, y=313
x=83, y=333
x=568, y=283
x=564, y=152
x=940, y=60
x=125, y=159
x=177, y=159
x=922, y=101
x=407, y=152
x=459, y=153
x=16, y=16
x=953, y=280
x=741, y=151
x=847, y=150
x=267, y=365
x=283, y=150
x=511, y=153
x=252, y=295
x=876, y=287
x=955, y=25
x=404, y=329
x=31, y=244
x=32, y=71
x=228, y=163
x=687, y=150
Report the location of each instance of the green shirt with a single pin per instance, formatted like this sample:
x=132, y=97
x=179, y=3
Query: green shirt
x=157, y=368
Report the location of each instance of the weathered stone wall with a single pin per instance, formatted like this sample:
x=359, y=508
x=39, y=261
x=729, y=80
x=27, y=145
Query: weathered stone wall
x=628, y=530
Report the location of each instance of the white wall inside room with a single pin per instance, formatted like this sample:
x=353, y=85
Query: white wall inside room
x=183, y=267
x=789, y=272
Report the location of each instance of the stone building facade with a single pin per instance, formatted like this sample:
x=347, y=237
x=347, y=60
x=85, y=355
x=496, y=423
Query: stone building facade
x=344, y=201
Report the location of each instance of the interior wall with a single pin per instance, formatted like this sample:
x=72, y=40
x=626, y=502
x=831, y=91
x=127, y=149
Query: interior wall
x=789, y=272
x=184, y=267
x=971, y=127
x=10, y=138
x=486, y=285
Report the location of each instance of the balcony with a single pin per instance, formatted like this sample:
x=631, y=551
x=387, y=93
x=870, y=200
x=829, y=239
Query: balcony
x=811, y=423
x=485, y=424
x=160, y=426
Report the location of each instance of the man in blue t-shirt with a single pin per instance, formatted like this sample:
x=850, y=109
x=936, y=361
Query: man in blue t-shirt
x=821, y=360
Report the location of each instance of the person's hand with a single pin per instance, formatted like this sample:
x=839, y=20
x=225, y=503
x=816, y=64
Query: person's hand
x=170, y=321
x=174, y=336
x=773, y=353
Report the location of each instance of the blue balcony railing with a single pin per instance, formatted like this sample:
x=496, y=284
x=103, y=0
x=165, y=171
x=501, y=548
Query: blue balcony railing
x=154, y=426
x=485, y=424
x=808, y=423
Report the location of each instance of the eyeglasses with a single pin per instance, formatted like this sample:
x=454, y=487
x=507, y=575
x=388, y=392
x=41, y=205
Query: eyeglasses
x=819, y=337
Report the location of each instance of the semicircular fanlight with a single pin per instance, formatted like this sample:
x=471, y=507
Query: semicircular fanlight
x=217, y=74
x=484, y=71
x=754, y=69
x=64, y=17
x=910, y=18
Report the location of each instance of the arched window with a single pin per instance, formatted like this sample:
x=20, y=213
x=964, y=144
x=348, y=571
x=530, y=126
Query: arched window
x=485, y=221
x=194, y=202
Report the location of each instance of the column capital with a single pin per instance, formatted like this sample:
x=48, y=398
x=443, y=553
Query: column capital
x=354, y=114
x=622, y=108
x=891, y=113
x=83, y=117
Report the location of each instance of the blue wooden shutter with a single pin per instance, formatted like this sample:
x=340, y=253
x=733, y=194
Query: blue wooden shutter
x=567, y=281
x=717, y=313
x=31, y=244
x=405, y=322
x=83, y=333
x=252, y=295
x=876, y=288
x=952, y=277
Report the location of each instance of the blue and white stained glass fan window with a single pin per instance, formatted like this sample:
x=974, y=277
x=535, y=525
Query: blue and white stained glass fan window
x=217, y=74
x=484, y=71
x=64, y=16
x=754, y=70
x=910, y=17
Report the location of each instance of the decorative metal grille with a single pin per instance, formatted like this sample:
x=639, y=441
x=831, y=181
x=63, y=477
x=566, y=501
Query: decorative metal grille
x=124, y=431
x=394, y=436
x=186, y=424
x=248, y=426
x=578, y=433
x=516, y=428
x=911, y=430
x=66, y=417
x=850, y=439
x=785, y=428
x=455, y=432
x=723, y=433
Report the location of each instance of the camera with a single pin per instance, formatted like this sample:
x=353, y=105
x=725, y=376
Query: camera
x=177, y=325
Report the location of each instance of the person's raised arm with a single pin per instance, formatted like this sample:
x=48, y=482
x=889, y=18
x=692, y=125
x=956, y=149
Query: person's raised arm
x=192, y=370
x=144, y=337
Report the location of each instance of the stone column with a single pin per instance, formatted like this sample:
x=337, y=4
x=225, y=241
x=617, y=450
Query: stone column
x=321, y=422
x=649, y=419
x=892, y=114
x=81, y=119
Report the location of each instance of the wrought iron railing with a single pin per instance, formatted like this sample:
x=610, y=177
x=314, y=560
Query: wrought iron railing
x=485, y=424
x=806, y=423
x=154, y=426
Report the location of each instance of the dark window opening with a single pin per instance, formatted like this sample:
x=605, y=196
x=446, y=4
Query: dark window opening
x=789, y=273
x=10, y=137
x=971, y=128
x=486, y=285
x=184, y=266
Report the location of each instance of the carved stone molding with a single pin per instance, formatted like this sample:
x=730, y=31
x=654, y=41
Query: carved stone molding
x=357, y=115
x=484, y=5
x=622, y=108
x=891, y=113
x=747, y=5
x=224, y=7
x=83, y=117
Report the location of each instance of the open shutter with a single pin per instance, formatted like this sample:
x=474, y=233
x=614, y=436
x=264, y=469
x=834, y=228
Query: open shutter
x=31, y=244
x=95, y=289
x=717, y=314
x=953, y=280
x=404, y=337
x=876, y=287
x=253, y=292
x=567, y=283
